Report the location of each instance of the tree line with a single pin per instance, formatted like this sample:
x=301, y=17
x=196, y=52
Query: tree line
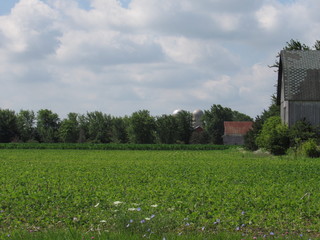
x=140, y=127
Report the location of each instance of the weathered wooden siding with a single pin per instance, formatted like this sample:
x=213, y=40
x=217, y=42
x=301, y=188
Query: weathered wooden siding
x=299, y=110
x=233, y=140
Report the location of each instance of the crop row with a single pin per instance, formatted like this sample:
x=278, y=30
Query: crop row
x=112, y=146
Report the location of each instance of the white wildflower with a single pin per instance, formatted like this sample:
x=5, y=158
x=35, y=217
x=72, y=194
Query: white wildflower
x=117, y=203
x=154, y=205
x=97, y=205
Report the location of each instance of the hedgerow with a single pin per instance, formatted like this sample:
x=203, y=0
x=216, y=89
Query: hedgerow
x=112, y=146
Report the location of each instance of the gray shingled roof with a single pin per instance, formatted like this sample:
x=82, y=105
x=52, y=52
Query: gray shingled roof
x=301, y=72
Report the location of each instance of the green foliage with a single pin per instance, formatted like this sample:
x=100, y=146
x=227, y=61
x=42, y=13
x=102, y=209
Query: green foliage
x=119, y=130
x=99, y=127
x=310, y=148
x=238, y=116
x=26, y=125
x=83, y=128
x=199, y=137
x=141, y=127
x=274, y=136
x=8, y=125
x=300, y=132
x=167, y=129
x=184, y=126
x=69, y=129
x=163, y=192
x=214, y=122
x=47, y=125
x=296, y=45
x=316, y=46
x=251, y=136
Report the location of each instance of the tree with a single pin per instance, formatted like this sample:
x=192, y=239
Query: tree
x=167, y=129
x=47, y=125
x=316, y=46
x=83, y=128
x=119, y=130
x=296, y=45
x=26, y=125
x=214, y=122
x=8, y=125
x=199, y=137
x=141, y=127
x=99, y=127
x=238, y=116
x=184, y=126
x=69, y=129
x=250, y=137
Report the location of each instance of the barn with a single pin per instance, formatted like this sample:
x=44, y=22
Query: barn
x=234, y=132
x=298, y=89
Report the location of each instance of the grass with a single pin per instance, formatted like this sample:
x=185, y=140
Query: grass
x=158, y=194
x=76, y=235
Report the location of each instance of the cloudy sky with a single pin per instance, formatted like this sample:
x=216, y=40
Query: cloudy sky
x=122, y=56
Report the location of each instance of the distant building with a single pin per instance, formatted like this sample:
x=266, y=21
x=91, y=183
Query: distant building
x=298, y=92
x=234, y=132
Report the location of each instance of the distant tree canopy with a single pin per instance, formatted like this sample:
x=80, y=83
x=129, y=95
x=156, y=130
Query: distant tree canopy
x=142, y=127
x=97, y=127
x=214, y=121
x=48, y=124
x=8, y=125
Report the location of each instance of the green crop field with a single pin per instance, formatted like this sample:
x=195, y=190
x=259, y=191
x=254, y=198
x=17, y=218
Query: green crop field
x=157, y=194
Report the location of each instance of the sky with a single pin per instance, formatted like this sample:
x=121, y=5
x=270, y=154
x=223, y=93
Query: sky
x=122, y=56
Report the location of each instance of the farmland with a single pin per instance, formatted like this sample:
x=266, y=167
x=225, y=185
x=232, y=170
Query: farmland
x=155, y=193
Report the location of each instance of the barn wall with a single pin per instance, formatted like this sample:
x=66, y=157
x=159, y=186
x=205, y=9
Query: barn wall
x=301, y=109
x=284, y=111
x=233, y=140
x=284, y=106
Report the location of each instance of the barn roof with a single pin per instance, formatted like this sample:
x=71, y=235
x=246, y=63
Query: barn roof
x=301, y=75
x=237, y=128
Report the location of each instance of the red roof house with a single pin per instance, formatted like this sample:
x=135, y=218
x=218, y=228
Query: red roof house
x=234, y=132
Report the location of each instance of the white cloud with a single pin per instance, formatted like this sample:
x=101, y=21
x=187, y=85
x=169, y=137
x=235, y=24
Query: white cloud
x=268, y=17
x=155, y=55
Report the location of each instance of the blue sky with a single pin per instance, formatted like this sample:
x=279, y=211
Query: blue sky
x=7, y=5
x=154, y=55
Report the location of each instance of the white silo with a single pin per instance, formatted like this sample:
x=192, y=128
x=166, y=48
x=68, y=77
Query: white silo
x=176, y=112
x=197, y=118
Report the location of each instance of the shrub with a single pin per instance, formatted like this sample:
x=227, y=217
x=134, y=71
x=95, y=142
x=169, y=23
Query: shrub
x=274, y=136
x=310, y=148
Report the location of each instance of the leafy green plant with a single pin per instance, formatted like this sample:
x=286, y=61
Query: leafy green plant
x=157, y=193
x=310, y=148
x=274, y=136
